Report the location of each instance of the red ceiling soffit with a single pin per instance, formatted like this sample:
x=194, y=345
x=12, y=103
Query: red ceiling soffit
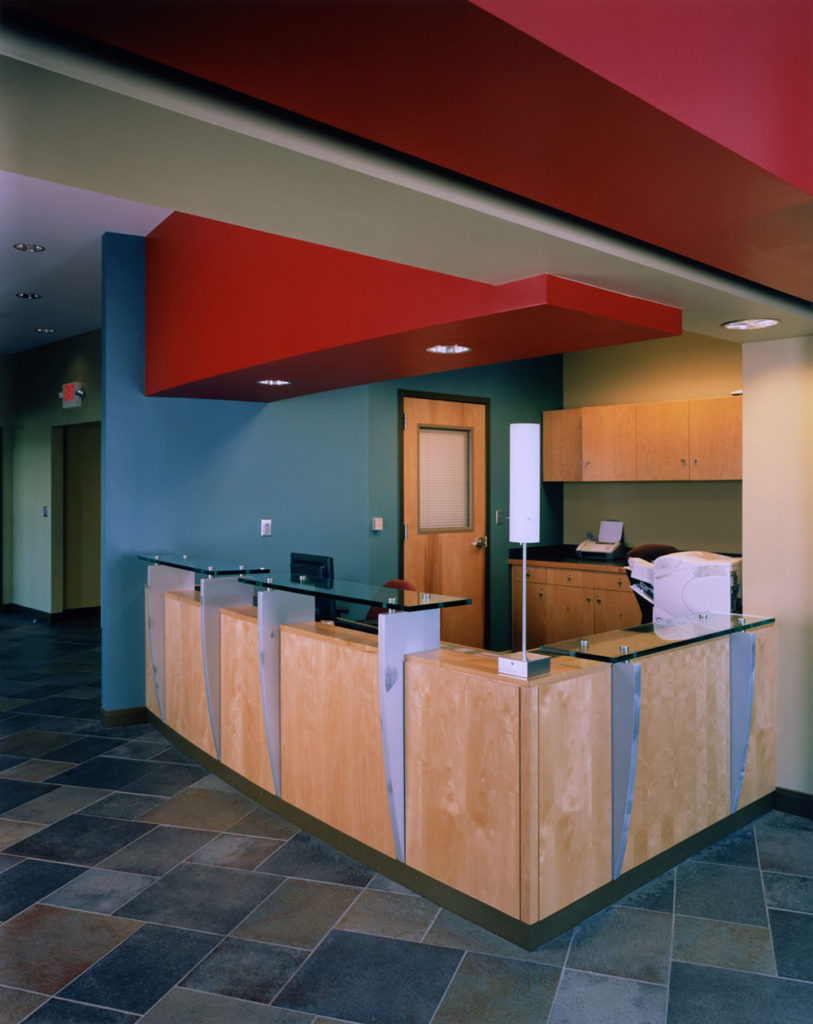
x=459, y=87
x=227, y=307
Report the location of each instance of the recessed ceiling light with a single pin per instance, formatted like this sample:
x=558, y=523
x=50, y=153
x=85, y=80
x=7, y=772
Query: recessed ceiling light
x=28, y=247
x=274, y=383
x=449, y=350
x=28, y=295
x=750, y=325
x=45, y=330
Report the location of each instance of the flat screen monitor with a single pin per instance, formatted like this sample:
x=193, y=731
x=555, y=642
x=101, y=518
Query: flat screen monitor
x=318, y=569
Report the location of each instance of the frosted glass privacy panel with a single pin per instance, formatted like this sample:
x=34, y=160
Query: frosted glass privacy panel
x=525, y=477
x=444, y=479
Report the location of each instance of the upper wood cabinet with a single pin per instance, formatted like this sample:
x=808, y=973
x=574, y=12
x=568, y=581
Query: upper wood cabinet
x=695, y=439
x=562, y=444
x=715, y=439
x=608, y=442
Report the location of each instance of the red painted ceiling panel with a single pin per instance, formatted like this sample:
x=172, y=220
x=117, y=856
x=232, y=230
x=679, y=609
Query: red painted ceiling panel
x=459, y=87
x=322, y=318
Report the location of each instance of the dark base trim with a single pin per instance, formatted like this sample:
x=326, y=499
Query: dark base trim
x=521, y=934
x=49, y=618
x=124, y=716
x=791, y=802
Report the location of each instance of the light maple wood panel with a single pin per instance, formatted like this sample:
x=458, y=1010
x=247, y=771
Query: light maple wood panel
x=715, y=438
x=243, y=745
x=187, y=710
x=575, y=787
x=150, y=696
x=608, y=442
x=662, y=441
x=682, y=771
x=462, y=737
x=332, y=763
x=562, y=444
x=760, y=765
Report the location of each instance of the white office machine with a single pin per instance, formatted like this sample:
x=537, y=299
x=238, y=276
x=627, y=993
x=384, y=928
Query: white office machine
x=610, y=533
x=688, y=583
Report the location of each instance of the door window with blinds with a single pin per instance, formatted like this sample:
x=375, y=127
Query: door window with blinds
x=444, y=479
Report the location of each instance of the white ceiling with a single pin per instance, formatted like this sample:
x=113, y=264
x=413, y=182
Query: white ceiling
x=112, y=152
x=70, y=223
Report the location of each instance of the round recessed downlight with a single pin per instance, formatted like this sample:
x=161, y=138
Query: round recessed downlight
x=28, y=295
x=449, y=350
x=756, y=324
x=45, y=330
x=29, y=247
x=274, y=383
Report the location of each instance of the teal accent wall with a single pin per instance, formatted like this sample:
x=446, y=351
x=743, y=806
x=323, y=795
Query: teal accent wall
x=33, y=460
x=196, y=476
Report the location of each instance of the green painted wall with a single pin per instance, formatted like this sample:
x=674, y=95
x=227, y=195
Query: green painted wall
x=35, y=457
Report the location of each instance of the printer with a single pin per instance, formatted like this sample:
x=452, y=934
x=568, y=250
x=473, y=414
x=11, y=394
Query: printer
x=688, y=583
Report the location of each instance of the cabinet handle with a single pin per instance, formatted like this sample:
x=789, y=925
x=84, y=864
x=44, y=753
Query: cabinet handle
x=694, y=460
x=598, y=600
x=683, y=461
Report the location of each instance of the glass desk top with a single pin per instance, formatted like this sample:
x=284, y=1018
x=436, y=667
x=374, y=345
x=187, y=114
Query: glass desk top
x=356, y=593
x=653, y=637
x=203, y=566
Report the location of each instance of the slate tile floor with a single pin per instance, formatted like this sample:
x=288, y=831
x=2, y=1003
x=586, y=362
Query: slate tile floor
x=135, y=886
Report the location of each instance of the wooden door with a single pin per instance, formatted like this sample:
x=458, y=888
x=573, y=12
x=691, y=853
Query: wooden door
x=608, y=442
x=82, y=516
x=444, y=547
x=715, y=432
x=662, y=433
x=562, y=444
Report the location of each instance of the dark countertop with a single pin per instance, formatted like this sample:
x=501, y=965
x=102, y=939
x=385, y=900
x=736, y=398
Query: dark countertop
x=565, y=553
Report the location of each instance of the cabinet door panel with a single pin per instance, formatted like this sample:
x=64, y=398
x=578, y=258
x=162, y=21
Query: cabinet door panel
x=662, y=441
x=616, y=610
x=562, y=444
x=568, y=612
x=534, y=587
x=715, y=432
x=608, y=442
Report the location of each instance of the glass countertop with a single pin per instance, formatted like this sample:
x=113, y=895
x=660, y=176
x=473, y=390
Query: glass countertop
x=654, y=637
x=203, y=566
x=355, y=593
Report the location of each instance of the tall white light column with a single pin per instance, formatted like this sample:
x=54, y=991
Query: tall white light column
x=525, y=480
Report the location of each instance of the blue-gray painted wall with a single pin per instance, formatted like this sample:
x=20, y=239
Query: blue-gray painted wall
x=196, y=475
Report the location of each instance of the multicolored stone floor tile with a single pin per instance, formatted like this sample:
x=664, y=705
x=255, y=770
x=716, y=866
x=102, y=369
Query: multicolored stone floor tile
x=137, y=888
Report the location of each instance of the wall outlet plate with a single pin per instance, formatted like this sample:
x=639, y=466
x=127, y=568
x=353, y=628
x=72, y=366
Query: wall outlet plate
x=265, y=527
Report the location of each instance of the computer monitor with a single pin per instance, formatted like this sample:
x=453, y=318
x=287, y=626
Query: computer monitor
x=317, y=569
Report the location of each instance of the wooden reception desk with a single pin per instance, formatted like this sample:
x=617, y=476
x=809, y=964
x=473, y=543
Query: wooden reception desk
x=526, y=804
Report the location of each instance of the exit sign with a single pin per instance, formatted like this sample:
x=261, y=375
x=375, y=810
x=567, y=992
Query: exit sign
x=72, y=395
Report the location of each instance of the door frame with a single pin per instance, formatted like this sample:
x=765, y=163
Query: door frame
x=439, y=396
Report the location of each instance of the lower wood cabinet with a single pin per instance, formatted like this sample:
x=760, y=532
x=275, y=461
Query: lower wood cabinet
x=565, y=602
